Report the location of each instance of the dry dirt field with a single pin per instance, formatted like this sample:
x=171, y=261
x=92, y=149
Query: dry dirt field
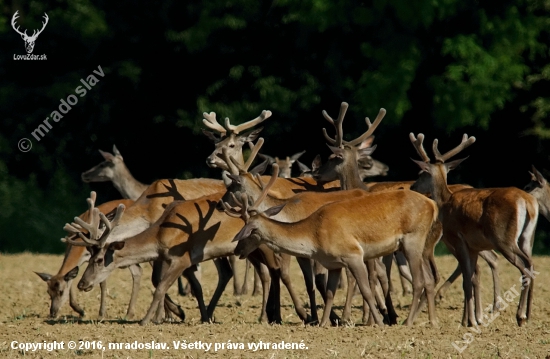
x=23, y=318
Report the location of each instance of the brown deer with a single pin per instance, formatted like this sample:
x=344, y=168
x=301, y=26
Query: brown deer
x=232, y=138
x=189, y=232
x=115, y=170
x=346, y=234
x=59, y=285
x=475, y=220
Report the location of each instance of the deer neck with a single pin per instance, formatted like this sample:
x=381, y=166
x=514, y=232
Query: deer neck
x=127, y=185
x=441, y=192
x=74, y=257
x=292, y=238
x=349, y=175
x=138, y=249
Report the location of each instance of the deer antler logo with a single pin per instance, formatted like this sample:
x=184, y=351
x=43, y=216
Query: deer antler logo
x=29, y=40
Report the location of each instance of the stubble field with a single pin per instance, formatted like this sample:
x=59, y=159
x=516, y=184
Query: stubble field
x=23, y=319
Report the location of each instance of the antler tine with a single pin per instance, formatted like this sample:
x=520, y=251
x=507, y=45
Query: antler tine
x=234, y=166
x=109, y=225
x=337, y=141
x=253, y=154
x=236, y=200
x=466, y=141
x=210, y=121
x=417, y=143
x=43, y=25
x=249, y=124
x=73, y=242
x=231, y=211
x=371, y=128
x=266, y=188
x=72, y=230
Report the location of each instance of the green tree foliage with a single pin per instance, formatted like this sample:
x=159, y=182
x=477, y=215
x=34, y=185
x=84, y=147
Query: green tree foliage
x=440, y=67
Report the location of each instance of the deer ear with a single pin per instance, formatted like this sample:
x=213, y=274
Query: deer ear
x=454, y=164
x=210, y=136
x=538, y=177
x=45, y=277
x=71, y=275
x=425, y=167
x=107, y=156
x=251, y=136
x=367, y=142
x=273, y=211
x=116, y=152
x=260, y=169
x=244, y=232
x=367, y=151
x=317, y=163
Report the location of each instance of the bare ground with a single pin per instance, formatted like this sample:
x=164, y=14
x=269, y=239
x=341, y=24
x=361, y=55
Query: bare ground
x=23, y=318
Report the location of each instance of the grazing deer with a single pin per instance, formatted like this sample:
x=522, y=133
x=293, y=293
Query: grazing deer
x=475, y=220
x=188, y=233
x=347, y=233
x=59, y=285
x=115, y=170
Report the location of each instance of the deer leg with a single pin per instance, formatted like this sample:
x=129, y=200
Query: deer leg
x=384, y=280
x=477, y=293
x=332, y=285
x=273, y=306
x=346, y=313
x=525, y=265
x=169, y=305
x=181, y=288
x=224, y=276
x=102, y=306
x=174, y=270
x=492, y=260
x=526, y=245
x=415, y=259
x=373, y=282
x=136, y=279
x=285, y=278
x=306, y=265
x=321, y=284
x=467, y=267
x=257, y=283
x=359, y=272
x=238, y=287
x=445, y=286
x=73, y=303
x=404, y=272
x=266, y=279
x=189, y=274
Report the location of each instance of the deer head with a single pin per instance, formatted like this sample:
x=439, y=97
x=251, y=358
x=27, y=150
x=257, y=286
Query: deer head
x=230, y=137
x=59, y=288
x=433, y=177
x=29, y=40
x=285, y=164
x=538, y=188
x=346, y=154
x=106, y=170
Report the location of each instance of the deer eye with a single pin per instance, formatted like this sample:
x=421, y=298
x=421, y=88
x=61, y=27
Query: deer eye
x=99, y=260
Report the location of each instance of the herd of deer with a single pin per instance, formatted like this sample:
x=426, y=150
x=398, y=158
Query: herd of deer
x=327, y=218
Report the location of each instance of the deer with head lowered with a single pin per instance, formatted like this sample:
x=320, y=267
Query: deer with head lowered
x=346, y=233
x=474, y=220
x=59, y=285
x=189, y=232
